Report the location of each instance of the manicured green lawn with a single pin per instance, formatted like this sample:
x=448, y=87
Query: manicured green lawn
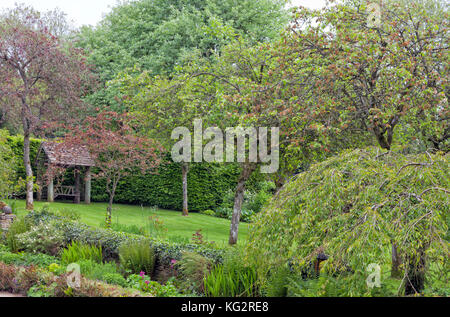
x=213, y=228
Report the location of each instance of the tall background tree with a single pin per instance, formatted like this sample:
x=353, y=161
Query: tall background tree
x=159, y=35
x=43, y=78
x=160, y=38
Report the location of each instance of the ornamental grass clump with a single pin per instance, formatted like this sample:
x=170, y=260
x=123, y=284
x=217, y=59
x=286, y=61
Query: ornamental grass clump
x=137, y=256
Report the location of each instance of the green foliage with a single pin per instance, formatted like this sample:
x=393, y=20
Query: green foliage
x=115, y=279
x=143, y=283
x=353, y=207
x=97, y=271
x=43, y=238
x=7, y=164
x=193, y=269
x=137, y=257
x=110, y=240
x=206, y=186
x=27, y=259
x=16, y=145
x=42, y=290
x=79, y=251
x=160, y=35
x=19, y=226
x=233, y=278
x=254, y=200
x=278, y=282
x=208, y=212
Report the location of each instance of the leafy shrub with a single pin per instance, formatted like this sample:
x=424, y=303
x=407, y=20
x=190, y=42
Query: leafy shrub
x=79, y=251
x=224, y=212
x=19, y=226
x=278, y=282
x=143, y=283
x=115, y=279
x=27, y=259
x=254, y=202
x=227, y=213
x=208, y=212
x=137, y=256
x=42, y=290
x=44, y=238
x=95, y=270
x=41, y=283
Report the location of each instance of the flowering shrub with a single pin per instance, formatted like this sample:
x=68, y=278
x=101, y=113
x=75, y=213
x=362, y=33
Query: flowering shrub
x=43, y=238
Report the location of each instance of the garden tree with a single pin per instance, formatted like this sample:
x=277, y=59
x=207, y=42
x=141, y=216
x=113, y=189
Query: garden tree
x=250, y=86
x=351, y=207
x=115, y=148
x=158, y=35
x=376, y=78
x=42, y=78
x=163, y=105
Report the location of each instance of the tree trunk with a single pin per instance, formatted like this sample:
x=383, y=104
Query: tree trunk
x=395, y=266
x=184, y=172
x=77, y=198
x=111, y=193
x=247, y=170
x=28, y=171
x=108, y=220
x=415, y=276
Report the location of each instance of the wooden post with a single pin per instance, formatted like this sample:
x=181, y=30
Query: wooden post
x=76, y=200
x=50, y=191
x=87, y=190
x=39, y=190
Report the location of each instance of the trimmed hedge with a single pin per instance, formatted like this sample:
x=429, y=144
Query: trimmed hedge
x=16, y=144
x=207, y=184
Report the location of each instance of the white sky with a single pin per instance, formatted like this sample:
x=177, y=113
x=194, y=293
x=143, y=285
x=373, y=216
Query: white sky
x=91, y=11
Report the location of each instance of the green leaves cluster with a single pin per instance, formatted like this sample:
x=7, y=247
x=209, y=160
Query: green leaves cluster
x=353, y=207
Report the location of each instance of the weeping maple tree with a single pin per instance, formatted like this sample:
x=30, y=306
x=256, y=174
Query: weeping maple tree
x=115, y=148
x=43, y=79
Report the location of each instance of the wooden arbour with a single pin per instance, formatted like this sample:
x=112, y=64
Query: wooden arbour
x=62, y=156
